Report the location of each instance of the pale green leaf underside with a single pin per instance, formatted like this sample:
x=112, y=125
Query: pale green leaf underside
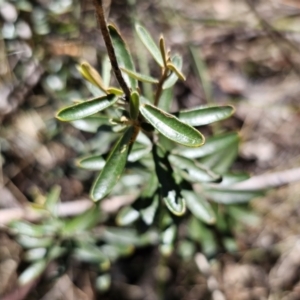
x=123, y=55
x=139, y=76
x=172, y=128
x=230, y=196
x=196, y=172
x=126, y=216
x=175, y=203
x=199, y=207
x=212, y=145
x=177, y=61
x=148, y=213
x=114, y=166
x=205, y=115
x=149, y=44
x=87, y=108
x=93, y=162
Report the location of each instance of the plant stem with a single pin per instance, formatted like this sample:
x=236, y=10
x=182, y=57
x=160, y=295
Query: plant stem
x=109, y=47
x=159, y=89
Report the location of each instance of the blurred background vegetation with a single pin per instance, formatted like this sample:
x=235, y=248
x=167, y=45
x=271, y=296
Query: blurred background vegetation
x=244, y=53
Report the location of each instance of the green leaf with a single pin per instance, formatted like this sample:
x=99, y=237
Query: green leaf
x=178, y=73
x=123, y=55
x=26, y=228
x=205, y=114
x=103, y=282
x=33, y=272
x=162, y=47
x=198, y=232
x=177, y=62
x=90, y=124
x=212, y=145
x=170, y=191
x=127, y=236
x=29, y=242
x=34, y=254
x=139, y=76
x=106, y=70
x=53, y=199
x=195, y=171
x=93, y=162
x=231, y=178
x=167, y=240
x=149, y=212
x=134, y=103
x=201, y=70
x=230, y=196
x=186, y=249
x=199, y=207
x=87, y=108
x=137, y=152
x=114, y=166
x=90, y=74
x=92, y=254
x=82, y=222
x=171, y=127
x=149, y=44
x=127, y=215
x=175, y=203
x=220, y=162
x=166, y=98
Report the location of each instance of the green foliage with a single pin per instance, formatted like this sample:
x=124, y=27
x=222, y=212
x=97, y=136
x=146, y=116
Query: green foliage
x=177, y=177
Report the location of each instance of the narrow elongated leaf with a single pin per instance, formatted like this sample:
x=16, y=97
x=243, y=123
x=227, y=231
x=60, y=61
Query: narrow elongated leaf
x=231, y=178
x=91, y=124
x=148, y=213
x=127, y=215
x=171, y=127
x=32, y=272
x=139, y=76
x=93, y=162
x=149, y=44
x=87, y=108
x=123, y=55
x=91, y=254
x=53, y=199
x=162, y=47
x=30, y=242
x=120, y=236
x=178, y=73
x=167, y=240
x=134, y=103
x=137, y=152
x=212, y=145
x=205, y=115
x=106, y=70
x=231, y=196
x=82, y=222
x=103, y=282
x=196, y=172
x=175, y=203
x=199, y=207
x=114, y=166
x=177, y=62
x=220, y=162
x=26, y=228
x=165, y=100
x=34, y=254
x=170, y=191
x=90, y=74
x=198, y=232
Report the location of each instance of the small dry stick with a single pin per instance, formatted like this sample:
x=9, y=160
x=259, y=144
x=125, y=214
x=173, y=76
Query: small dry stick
x=109, y=46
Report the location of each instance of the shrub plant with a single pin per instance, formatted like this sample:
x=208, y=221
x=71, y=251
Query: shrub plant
x=179, y=179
